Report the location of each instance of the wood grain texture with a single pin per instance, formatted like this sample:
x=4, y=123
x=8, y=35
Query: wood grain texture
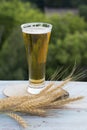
x=71, y=117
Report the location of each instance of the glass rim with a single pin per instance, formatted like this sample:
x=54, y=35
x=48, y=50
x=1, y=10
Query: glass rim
x=31, y=24
x=35, y=27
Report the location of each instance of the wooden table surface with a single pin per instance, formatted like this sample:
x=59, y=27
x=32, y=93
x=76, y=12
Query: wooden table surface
x=72, y=117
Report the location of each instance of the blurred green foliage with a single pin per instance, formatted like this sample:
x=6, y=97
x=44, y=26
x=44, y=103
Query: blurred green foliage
x=68, y=40
x=66, y=24
x=13, y=13
x=12, y=53
x=13, y=63
x=68, y=51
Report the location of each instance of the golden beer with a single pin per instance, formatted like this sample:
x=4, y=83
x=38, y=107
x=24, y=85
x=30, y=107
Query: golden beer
x=36, y=39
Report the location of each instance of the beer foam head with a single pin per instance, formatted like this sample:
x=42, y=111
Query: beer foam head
x=36, y=28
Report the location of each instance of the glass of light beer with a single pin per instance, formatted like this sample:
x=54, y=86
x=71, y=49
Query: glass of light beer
x=36, y=38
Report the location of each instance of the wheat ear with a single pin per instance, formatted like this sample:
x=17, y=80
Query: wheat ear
x=60, y=85
x=43, y=101
x=48, y=96
x=62, y=102
x=45, y=98
x=7, y=103
x=33, y=111
x=17, y=118
x=46, y=89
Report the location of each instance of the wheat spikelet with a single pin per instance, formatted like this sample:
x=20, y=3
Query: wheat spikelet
x=49, y=86
x=54, y=89
x=62, y=102
x=7, y=103
x=12, y=102
x=18, y=118
x=59, y=73
x=61, y=84
x=56, y=73
x=46, y=99
x=46, y=89
x=51, y=95
x=48, y=96
x=33, y=111
x=49, y=99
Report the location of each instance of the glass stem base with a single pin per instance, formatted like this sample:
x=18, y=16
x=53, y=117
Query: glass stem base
x=35, y=88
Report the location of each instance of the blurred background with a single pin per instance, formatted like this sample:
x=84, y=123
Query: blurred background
x=68, y=44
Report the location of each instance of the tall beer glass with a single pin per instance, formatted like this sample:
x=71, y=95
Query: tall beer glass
x=36, y=38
